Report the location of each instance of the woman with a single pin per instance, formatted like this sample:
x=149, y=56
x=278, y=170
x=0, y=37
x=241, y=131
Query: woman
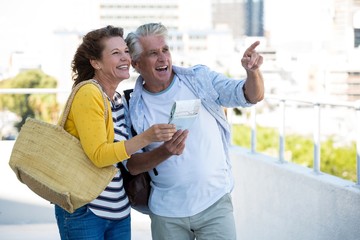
x=104, y=57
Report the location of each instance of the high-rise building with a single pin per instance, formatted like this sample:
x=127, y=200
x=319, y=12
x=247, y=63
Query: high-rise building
x=243, y=17
x=229, y=14
x=343, y=80
x=255, y=17
x=130, y=14
x=356, y=23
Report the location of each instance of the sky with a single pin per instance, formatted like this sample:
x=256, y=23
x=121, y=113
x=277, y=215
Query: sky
x=26, y=25
x=40, y=15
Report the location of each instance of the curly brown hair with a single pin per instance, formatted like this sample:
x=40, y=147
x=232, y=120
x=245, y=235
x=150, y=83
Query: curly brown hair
x=91, y=49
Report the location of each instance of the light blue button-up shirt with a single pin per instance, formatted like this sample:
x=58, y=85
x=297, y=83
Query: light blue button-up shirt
x=213, y=89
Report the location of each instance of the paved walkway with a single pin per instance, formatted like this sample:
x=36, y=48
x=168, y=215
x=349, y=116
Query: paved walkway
x=49, y=231
x=20, y=221
x=33, y=218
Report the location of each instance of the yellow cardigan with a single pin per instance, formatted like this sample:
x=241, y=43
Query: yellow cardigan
x=86, y=122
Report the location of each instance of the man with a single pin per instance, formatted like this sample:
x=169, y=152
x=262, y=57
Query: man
x=190, y=195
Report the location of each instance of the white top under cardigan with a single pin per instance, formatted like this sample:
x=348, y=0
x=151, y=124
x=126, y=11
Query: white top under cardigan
x=113, y=203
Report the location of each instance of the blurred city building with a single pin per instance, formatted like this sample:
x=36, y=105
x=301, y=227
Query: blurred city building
x=315, y=55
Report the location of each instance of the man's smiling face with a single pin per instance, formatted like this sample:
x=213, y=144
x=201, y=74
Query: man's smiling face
x=155, y=63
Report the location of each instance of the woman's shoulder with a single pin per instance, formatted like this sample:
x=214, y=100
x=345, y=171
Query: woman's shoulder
x=87, y=89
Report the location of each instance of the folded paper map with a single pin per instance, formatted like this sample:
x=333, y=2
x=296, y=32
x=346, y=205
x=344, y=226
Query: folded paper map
x=184, y=112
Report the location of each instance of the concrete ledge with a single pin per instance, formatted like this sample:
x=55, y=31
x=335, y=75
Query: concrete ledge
x=288, y=201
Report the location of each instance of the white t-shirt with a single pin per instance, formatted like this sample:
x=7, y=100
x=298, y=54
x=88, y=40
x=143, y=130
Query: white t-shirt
x=189, y=183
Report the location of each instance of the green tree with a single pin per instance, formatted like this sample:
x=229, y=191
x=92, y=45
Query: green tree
x=40, y=106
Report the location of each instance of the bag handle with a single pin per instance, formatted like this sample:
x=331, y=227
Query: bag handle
x=72, y=95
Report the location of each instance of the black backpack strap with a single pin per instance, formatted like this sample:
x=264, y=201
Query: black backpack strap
x=127, y=94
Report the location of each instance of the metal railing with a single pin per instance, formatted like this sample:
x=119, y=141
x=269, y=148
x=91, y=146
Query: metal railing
x=32, y=90
x=316, y=105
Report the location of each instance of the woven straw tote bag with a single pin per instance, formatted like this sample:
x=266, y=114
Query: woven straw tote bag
x=52, y=163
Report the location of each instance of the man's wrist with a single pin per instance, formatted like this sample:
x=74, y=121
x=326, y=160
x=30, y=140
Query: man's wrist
x=244, y=92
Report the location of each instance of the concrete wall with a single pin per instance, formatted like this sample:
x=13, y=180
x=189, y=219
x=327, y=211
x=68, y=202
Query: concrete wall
x=275, y=201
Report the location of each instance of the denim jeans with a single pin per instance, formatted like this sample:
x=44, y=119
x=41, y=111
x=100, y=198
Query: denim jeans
x=83, y=224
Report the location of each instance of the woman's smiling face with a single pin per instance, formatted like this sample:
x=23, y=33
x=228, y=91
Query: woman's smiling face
x=115, y=60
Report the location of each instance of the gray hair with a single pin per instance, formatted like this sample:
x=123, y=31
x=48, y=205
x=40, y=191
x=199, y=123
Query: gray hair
x=133, y=38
